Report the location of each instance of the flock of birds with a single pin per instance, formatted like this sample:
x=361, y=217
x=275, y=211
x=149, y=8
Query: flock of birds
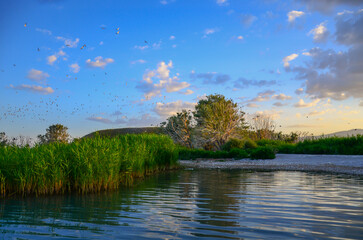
x=53, y=106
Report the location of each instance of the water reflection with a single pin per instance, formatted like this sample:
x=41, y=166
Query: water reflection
x=193, y=204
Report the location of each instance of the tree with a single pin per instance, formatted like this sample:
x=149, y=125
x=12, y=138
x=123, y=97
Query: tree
x=218, y=119
x=264, y=126
x=179, y=127
x=55, y=133
x=3, y=139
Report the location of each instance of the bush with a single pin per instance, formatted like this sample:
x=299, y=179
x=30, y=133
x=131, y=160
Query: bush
x=250, y=144
x=263, y=153
x=233, y=143
x=237, y=153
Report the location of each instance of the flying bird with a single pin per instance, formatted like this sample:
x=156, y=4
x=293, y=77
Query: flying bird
x=84, y=45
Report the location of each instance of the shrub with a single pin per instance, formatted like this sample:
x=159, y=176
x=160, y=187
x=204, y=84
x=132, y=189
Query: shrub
x=250, y=144
x=237, y=153
x=263, y=153
x=233, y=143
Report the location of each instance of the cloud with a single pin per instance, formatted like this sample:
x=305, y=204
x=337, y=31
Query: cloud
x=247, y=19
x=211, y=77
x=209, y=31
x=68, y=42
x=153, y=46
x=361, y=104
x=165, y=81
x=263, y=96
x=222, y=2
x=99, y=62
x=101, y=120
x=172, y=37
x=34, y=88
x=302, y=104
x=75, y=67
x=337, y=74
x=349, y=28
x=141, y=61
x=245, y=83
x=51, y=59
x=253, y=105
x=327, y=6
x=303, y=126
x=292, y=15
x=187, y=92
x=273, y=114
x=299, y=91
x=168, y=109
x=281, y=97
x=286, y=60
x=45, y=31
x=37, y=76
x=320, y=33
x=164, y=2
x=279, y=104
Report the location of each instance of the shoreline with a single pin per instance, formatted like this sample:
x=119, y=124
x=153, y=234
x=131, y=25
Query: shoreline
x=345, y=164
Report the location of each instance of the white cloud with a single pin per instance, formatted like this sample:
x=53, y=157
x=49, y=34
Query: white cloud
x=37, y=75
x=320, y=33
x=75, y=67
x=172, y=37
x=168, y=109
x=222, y=2
x=99, y=62
x=302, y=104
x=292, y=15
x=165, y=81
x=69, y=42
x=209, y=31
x=286, y=60
x=240, y=37
x=187, y=92
x=51, y=59
x=45, y=31
x=141, y=61
x=34, y=88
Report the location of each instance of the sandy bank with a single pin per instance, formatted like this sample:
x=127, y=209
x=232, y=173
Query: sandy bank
x=294, y=162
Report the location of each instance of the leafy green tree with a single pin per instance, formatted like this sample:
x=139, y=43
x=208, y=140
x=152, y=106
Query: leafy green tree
x=180, y=127
x=55, y=133
x=218, y=119
x=3, y=139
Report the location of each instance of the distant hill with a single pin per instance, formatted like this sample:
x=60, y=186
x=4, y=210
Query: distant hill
x=121, y=131
x=352, y=132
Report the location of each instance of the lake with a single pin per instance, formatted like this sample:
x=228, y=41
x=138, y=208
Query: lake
x=185, y=204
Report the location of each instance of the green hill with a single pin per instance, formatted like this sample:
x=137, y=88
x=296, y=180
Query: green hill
x=121, y=131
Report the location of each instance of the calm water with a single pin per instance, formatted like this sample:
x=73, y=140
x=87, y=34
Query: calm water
x=194, y=204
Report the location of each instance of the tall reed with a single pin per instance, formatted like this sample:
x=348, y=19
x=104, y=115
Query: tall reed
x=86, y=165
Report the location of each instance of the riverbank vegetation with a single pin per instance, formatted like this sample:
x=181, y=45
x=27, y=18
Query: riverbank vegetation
x=218, y=129
x=84, y=165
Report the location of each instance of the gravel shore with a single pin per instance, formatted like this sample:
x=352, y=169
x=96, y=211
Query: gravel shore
x=347, y=164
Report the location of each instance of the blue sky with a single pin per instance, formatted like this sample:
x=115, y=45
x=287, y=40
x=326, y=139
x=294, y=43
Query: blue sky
x=93, y=65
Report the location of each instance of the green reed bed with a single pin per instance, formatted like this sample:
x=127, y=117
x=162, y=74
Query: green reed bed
x=331, y=145
x=86, y=165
